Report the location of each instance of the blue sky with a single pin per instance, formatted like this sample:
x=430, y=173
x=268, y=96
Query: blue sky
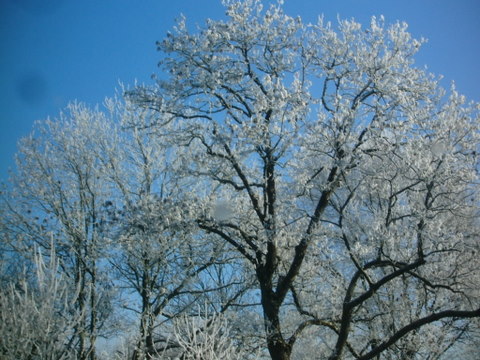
x=55, y=51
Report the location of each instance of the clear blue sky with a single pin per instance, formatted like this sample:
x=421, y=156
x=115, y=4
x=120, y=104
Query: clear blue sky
x=55, y=51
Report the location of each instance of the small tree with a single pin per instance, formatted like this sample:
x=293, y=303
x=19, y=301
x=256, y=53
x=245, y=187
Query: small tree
x=38, y=316
x=157, y=256
x=350, y=177
x=57, y=193
x=204, y=337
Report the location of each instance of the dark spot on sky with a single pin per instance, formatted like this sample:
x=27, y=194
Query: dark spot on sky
x=32, y=88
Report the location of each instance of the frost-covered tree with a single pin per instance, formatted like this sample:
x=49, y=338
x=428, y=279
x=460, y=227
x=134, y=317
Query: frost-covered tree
x=38, y=315
x=101, y=190
x=55, y=199
x=308, y=185
x=343, y=174
x=205, y=336
x=156, y=254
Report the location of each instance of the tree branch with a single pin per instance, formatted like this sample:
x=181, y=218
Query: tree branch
x=417, y=324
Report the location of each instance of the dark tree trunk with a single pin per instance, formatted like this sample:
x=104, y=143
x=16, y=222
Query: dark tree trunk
x=278, y=347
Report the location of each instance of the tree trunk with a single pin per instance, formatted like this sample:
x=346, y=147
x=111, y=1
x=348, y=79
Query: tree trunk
x=279, y=351
x=80, y=328
x=93, y=313
x=278, y=348
x=145, y=346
